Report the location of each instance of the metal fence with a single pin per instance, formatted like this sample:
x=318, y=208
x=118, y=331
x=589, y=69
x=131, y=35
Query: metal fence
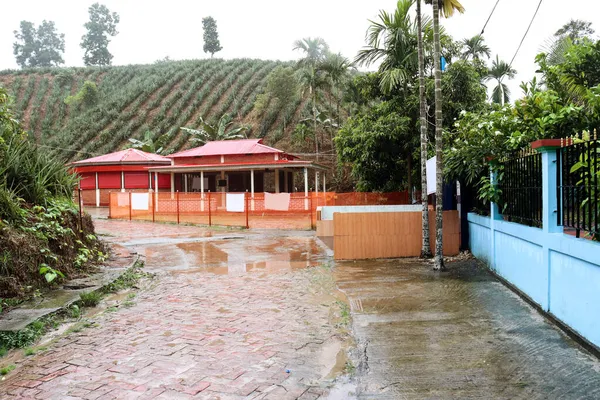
x=258, y=210
x=521, y=186
x=578, y=194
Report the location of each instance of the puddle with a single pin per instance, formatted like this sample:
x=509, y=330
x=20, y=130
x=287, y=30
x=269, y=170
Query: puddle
x=343, y=390
x=234, y=257
x=333, y=359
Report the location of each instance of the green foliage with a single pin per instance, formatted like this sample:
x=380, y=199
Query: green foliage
x=128, y=279
x=38, y=220
x=223, y=130
x=29, y=351
x=159, y=98
x=26, y=336
x=87, y=96
x=282, y=88
x=211, y=36
x=376, y=144
x=41, y=47
x=101, y=25
x=6, y=370
x=90, y=299
x=75, y=311
x=588, y=174
x=49, y=273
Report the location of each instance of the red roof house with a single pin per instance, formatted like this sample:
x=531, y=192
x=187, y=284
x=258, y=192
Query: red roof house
x=222, y=166
x=235, y=166
x=125, y=170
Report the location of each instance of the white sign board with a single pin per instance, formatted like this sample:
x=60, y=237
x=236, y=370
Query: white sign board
x=139, y=201
x=431, y=170
x=235, y=202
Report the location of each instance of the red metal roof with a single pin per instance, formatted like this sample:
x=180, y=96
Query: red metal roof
x=236, y=165
x=228, y=147
x=128, y=156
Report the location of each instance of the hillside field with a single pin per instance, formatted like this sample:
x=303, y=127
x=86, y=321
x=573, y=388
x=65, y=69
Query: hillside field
x=134, y=99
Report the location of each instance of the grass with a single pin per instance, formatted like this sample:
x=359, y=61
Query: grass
x=128, y=279
x=90, y=299
x=29, y=351
x=7, y=369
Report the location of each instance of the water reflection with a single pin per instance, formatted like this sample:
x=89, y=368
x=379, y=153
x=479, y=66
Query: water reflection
x=234, y=257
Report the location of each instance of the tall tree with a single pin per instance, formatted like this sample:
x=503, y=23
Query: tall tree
x=448, y=6
x=311, y=75
x=211, y=36
x=575, y=30
x=392, y=39
x=337, y=68
x=41, y=47
x=280, y=93
x=425, y=244
x=101, y=25
x=475, y=48
x=500, y=70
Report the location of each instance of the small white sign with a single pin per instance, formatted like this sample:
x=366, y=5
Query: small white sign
x=431, y=171
x=139, y=201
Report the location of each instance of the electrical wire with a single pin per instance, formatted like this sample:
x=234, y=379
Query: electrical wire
x=523, y=38
x=488, y=20
x=63, y=149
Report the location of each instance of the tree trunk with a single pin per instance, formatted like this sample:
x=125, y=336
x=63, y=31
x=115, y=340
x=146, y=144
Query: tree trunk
x=425, y=245
x=439, y=177
x=409, y=177
x=314, y=109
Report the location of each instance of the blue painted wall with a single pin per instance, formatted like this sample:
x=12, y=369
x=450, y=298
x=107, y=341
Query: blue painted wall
x=557, y=271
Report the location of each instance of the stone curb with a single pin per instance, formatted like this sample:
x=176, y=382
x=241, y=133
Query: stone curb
x=19, y=318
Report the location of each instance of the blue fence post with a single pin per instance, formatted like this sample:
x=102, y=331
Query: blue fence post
x=549, y=203
x=494, y=215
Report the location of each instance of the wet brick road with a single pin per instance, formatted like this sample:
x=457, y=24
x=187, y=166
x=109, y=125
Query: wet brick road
x=456, y=335
x=230, y=312
x=234, y=316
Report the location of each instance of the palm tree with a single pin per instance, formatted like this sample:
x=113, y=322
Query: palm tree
x=315, y=50
x=426, y=247
x=392, y=38
x=448, y=7
x=337, y=68
x=475, y=48
x=223, y=130
x=310, y=75
x=500, y=70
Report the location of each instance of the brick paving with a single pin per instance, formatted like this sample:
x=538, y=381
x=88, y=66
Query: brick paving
x=253, y=335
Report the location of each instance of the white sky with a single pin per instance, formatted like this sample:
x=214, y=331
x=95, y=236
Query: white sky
x=150, y=30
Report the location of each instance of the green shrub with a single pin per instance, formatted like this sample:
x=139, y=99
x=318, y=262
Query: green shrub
x=90, y=299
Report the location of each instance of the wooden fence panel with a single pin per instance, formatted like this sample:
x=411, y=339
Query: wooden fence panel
x=387, y=235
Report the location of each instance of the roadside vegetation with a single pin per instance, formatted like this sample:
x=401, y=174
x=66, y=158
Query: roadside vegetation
x=43, y=238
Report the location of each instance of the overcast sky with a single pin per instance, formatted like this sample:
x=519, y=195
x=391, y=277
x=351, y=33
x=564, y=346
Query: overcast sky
x=150, y=30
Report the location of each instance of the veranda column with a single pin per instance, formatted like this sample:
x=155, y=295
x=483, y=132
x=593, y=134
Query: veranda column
x=172, y=184
x=185, y=182
x=122, y=181
x=317, y=185
x=324, y=190
x=97, y=192
x=252, y=189
x=276, y=181
x=202, y=190
x=305, y=188
x=156, y=191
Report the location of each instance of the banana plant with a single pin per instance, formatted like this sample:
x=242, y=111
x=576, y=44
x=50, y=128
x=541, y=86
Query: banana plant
x=223, y=130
